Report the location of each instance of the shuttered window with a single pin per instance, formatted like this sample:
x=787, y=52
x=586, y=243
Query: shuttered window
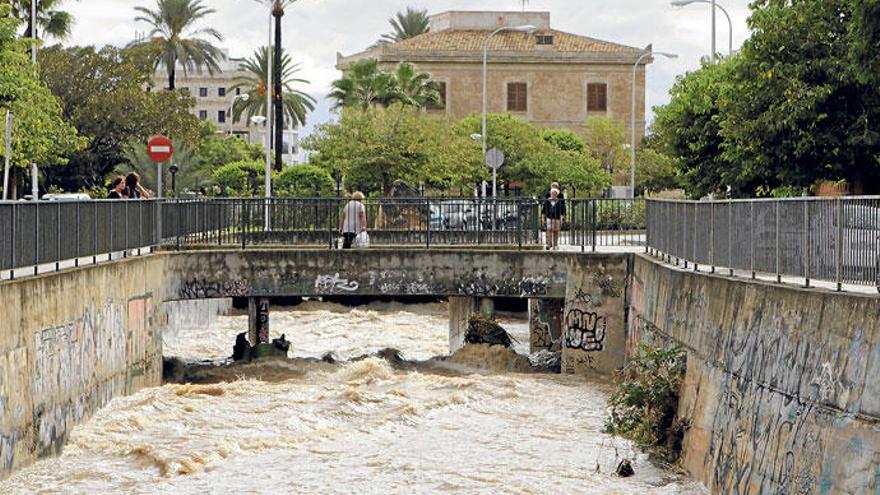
x=517, y=97
x=597, y=97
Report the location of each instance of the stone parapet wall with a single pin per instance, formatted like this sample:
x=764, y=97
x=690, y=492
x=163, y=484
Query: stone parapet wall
x=781, y=387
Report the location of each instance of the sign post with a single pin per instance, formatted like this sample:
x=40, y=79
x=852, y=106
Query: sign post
x=494, y=159
x=160, y=149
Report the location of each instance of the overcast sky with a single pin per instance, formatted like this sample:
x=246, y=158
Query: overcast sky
x=314, y=30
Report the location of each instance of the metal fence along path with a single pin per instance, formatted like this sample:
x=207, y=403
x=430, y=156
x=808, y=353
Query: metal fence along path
x=46, y=232
x=834, y=239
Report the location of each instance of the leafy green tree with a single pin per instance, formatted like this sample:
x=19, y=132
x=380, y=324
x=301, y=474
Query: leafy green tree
x=363, y=86
x=245, y=178
x=606, y=142
x=538, y=157
x=564, y=140
x=40, y=134
x=406, y=25
x=797, y=105
x=177, y=39
x=296, y=103
x=655, y=171
x=304, y=180
x=101, y=94
x=56, y=23
x=375, y=148
x=689, y=130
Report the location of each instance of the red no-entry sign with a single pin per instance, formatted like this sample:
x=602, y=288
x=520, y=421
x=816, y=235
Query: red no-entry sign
x=160, y=149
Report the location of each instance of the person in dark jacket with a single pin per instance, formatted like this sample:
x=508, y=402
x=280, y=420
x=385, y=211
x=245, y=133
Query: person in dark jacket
x=553, y=214
x=117, y=188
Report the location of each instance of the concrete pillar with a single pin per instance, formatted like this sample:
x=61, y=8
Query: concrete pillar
x=460, y=311
x=594, y=331
x=487, y=307
x=545, y=324
x=258, y=320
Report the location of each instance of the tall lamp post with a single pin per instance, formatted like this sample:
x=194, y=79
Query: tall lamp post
x=714, y=4
x=632, y=147
x=527, y=28
x=244, y=97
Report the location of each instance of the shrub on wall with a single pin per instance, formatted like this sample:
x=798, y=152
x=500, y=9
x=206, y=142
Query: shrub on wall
x=643, y=409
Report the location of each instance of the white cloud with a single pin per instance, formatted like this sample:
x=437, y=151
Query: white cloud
x=314, y=30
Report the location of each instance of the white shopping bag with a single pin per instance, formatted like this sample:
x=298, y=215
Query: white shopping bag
x=362, y=240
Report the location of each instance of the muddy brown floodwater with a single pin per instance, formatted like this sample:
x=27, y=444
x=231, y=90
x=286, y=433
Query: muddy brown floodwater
x=471, y=424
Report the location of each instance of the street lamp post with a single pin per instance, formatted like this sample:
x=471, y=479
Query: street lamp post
x=527, y=28
x=632, y=147
x=682, y=3
x=244, y=97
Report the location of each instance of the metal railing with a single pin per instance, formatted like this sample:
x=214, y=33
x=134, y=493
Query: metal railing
x=36, y=233
x=65, y=233
x=422, y=222
x=833, y=239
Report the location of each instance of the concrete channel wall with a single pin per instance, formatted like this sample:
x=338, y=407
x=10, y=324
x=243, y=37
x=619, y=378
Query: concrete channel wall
x=69, y=343
x=783, y=384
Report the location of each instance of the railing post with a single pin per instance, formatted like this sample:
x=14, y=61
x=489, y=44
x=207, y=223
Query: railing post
x=752, y=238
x=14, y=240
x=711, y=236
x=36, y=236
x=778, y=257
x=126, y=243
x=683, y=213
x=594, y=228
x=807, y=246
x=839, y=244
x=242, y=227
x=696, y=265
x=730, y=236
x=58, y=238
x=428, y=215
x=95, y=234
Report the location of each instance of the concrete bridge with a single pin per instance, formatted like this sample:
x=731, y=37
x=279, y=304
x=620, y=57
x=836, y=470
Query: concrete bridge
x=779, y=390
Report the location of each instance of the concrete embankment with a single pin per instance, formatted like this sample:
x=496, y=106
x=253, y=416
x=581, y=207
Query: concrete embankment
x=781, y=386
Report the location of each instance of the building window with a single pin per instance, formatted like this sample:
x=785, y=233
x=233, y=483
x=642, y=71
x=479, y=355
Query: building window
x=203, y=92
x=237, y=91
x=544, y=39
x=203, y=114
x=221, y=92
x=441, y=88
x=517, y=97
x=597, y=97
x=221, y=116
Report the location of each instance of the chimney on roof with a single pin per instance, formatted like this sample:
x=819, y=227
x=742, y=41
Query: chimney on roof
x=487, y=21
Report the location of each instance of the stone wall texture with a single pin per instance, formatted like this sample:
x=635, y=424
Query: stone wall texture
x=782, y=386
x=69, y=343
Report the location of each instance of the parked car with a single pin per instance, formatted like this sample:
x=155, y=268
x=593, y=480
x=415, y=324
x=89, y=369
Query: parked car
x=67, y=197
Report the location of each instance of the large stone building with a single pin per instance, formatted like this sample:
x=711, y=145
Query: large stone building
x=214, y=96
x=550, y=78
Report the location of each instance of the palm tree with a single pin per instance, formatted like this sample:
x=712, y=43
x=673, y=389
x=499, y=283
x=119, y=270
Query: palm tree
x=415, y=88
x=364, y=86
x=178, y=40
x=56, y=23
x=406, y=25
x=295, y=104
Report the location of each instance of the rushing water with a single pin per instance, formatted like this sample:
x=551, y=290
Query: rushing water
x=473, y=423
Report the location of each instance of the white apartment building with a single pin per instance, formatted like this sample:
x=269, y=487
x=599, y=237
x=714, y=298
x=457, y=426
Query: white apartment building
x=214, y=96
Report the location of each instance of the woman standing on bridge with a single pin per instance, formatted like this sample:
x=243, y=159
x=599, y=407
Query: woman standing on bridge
x=353, y=220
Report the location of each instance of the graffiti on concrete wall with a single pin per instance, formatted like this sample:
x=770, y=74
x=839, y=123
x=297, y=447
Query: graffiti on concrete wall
x=204, y=289
x=585, y=330
x=487, y=285
x=545, y=324
x=334, y=284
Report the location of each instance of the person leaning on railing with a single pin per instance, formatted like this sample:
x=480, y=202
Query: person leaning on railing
x=134, y=189
x=353, y=220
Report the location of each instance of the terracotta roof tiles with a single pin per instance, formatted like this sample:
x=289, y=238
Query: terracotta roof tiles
x=472, y=41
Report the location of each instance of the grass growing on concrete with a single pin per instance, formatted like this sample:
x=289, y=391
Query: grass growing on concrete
x=643, y=409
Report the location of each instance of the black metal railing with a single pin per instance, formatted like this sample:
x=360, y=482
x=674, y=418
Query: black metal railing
x=833, y=239
x=66, y=233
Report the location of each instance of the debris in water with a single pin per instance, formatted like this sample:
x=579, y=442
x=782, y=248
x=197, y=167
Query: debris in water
x=482, y=330
x=625, y=469
x=546, y=359
x=242, y=349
